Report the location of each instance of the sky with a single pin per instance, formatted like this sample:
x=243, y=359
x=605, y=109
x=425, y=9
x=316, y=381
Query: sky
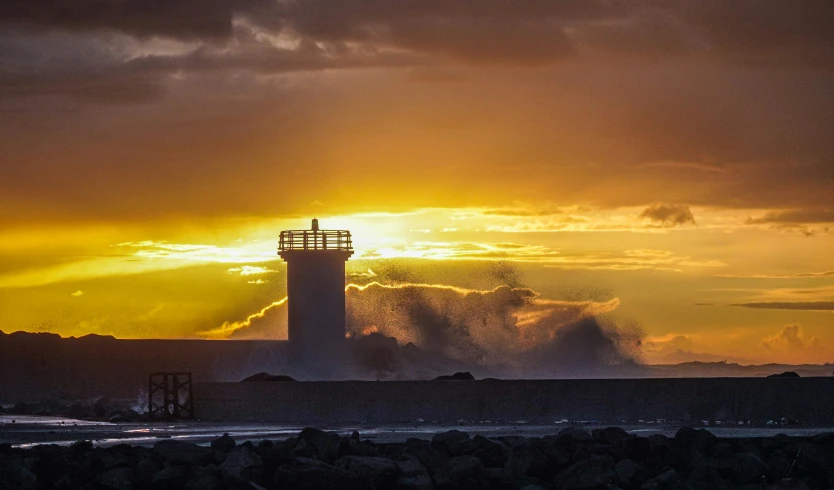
x=666, y=164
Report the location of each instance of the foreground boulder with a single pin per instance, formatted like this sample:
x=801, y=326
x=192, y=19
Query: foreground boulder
x=379, y=473
x=306, y=473
x=572, y=460
x=315, y=443
x=463, y=473
x=589, y=474
x=239, y=461
x=183, y=453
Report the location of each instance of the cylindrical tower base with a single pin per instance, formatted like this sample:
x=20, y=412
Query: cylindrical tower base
x=316, y=312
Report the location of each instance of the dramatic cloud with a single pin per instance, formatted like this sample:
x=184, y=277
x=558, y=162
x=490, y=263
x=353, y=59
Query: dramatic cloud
x=791, y=305
x=250, y=270
x=791, y=340
x=675, y=349
x=669, y=214
x=183, y=19
x=797, y=219
x=576, y=138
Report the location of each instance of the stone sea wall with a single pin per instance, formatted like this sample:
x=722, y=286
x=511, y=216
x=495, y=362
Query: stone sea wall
x=685, y=400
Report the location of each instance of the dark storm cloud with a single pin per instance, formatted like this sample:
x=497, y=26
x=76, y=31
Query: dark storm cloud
x=577, y=96
x=488, y=31
x=791, y=305
x=181, y=19
x=795, y=217
x=792, y=32
x=669, y=214
x=380, y=33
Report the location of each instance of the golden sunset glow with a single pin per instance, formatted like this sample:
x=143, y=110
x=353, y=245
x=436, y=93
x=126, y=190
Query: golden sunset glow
x=662, y=168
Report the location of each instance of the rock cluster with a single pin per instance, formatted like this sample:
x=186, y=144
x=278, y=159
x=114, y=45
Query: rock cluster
x=573, y=459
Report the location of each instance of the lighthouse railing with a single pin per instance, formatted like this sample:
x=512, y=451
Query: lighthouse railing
x=338, y=240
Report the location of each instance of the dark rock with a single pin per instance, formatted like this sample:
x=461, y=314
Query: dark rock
x=461, y=473
x=378, y=472
x=706, y=477
x=589, y=474
x=501, y=479
x=180, y=452
x=637, y=448
x=81, y=446
x=238, y=461
x=814, y=464
x=778, y=465
x=668, y=480
x=748, y=468
x=117, y=456
x=823, y=439
x=786, y=374
x=428, y=456
x=78, y=411
x=611, y=436
x=526, y=459
x=413, y=475
x=390, y=451
x=267, y=377
x=14, y=472
x=511, y=441
x=311, y=474
x=326, y=446
x=116, y=479
x=491, y=453
x=451, y=441
x=463, y=376
x=788, y=484
x=124, y=416
x=144, y=472
x=172, y=478
x=280, y=454
x=51, y=463
x=57, y=402
x=659, y=441
x=629, y=471
x=204, y=482
x=700, y=440
x=722, y=451
x=573, y=436
x=362, y=448
x=224, y=443
x=663, y=453
x=99, y=405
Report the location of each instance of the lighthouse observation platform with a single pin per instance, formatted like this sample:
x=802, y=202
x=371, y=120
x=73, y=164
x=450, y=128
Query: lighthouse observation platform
x=335, y=240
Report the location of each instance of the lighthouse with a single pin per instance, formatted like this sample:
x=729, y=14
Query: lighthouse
x=316, y=298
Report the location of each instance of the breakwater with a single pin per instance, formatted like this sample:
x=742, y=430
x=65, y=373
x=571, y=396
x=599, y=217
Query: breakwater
x=686, y=400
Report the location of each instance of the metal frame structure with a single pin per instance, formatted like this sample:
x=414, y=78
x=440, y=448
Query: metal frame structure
x=176, y=393
x=338, y=240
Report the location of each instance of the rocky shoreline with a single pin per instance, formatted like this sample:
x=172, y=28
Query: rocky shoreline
x=573, y=459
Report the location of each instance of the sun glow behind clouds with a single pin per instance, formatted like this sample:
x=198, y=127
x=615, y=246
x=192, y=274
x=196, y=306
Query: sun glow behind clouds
x=521, y=232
